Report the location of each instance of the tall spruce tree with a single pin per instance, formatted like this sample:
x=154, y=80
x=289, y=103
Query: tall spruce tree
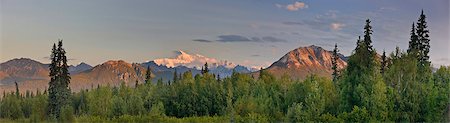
x=334, y=60
x=175, y=76
x=414, y=44
x=261, y=72
x=59, y=91
x=64, y=76
x=148, y=75
x=205, y=69
x=52, y=88
x=367, y=43
x=17, y=90
x=367, y=35
x=397, y=53
x=358, y=43
x=383, y=63
x=423, y=41
x=136, y=84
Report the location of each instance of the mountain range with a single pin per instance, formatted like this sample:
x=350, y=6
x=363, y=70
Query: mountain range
x=32, y=75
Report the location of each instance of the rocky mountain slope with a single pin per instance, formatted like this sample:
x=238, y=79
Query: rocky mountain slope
x=111, y=73
x=22, y=69
x=303, y=61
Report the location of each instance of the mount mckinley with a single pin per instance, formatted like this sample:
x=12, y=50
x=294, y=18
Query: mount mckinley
x=32, y=75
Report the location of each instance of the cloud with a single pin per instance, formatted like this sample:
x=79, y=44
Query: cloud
x=272, y=39
x=254, y=26
x=296, y=6
x=293, y=23
x=328, y=21
x=320, y=24
x=233, y=38
x=333, y=26
x=332, y=14
x=443, y=59
x=441, y=62
x=202, y=40
x=336, y=26
x=387, y=9
x=238, y=38
x=279, y=5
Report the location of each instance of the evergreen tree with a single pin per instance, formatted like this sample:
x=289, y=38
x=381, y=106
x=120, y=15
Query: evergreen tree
x=261, y=72
x=414, y=45
x=59, y=91
x=334, y=60
x=202, y=70
x=175, y=76
x=358, y=43
x=136, y=84
x=383, y=63
x=397, y=53
x=17, y=90
x=218, y=77
x=148, y=75
x=65, y=75
x=424, y=68
x=160, y=82
x=423, y=41
x=52, y=89
x=367, y=43
x=205, y=68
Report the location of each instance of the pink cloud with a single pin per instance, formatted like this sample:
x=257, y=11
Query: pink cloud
x=296, y=6
x=337, y=26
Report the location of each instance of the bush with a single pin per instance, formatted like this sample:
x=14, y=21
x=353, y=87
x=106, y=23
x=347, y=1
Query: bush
x=296, y=113
x=66, y=114
x=90, y=119
x=328, y=118
x=157, y=110
x=125, y=119
x=357, y=115
x=253, y=118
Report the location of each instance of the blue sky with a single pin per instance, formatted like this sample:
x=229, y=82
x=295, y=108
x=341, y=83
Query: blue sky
x=248, y=32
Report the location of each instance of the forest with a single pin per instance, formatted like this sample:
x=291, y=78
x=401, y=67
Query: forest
x=397, y=87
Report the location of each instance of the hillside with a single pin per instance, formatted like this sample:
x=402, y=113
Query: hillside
x=303, y=61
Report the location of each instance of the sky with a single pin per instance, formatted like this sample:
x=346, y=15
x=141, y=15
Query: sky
x=247, y=32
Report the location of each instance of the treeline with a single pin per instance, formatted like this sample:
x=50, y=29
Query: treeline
x=239, y=98
x=399, y=87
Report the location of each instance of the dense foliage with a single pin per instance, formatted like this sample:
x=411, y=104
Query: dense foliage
x=241, y=98
x=400, y=87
